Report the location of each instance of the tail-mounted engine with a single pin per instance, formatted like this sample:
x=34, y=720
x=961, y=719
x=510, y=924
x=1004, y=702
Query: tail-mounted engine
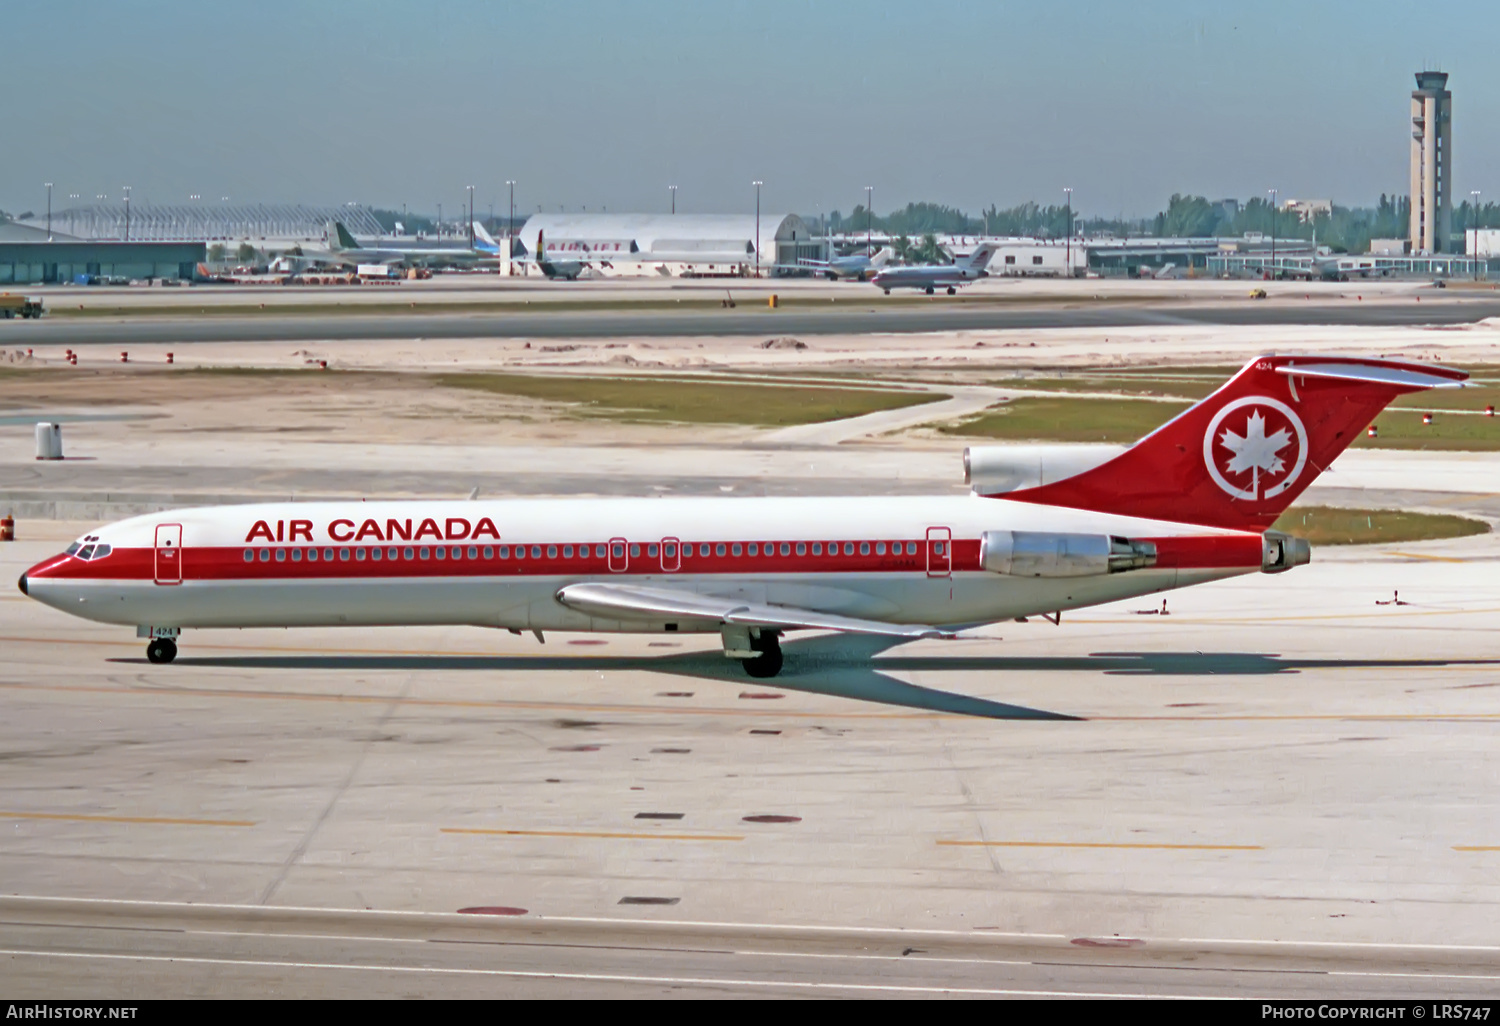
x=1044, y=554
x=1280, y=552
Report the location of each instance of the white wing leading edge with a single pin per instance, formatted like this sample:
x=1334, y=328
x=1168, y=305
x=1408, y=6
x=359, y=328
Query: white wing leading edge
x=628, y=602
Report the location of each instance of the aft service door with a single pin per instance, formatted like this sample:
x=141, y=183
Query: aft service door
x=169, y=554
x=939, y=552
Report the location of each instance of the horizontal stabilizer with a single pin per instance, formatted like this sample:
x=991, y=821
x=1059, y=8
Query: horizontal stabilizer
x=629, y=602
x=1381, y=374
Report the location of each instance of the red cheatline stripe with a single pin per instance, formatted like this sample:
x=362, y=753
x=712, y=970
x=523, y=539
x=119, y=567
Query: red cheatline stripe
x=228, y=563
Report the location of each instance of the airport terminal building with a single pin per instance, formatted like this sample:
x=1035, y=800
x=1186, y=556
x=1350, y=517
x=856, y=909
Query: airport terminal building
x=693, y=245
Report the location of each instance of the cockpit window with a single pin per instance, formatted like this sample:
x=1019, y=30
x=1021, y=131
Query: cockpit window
x=74, y=548
x=100, y=551
x=87, y=552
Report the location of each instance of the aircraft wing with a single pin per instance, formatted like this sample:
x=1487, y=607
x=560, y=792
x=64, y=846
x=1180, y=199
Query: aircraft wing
x=629, y=602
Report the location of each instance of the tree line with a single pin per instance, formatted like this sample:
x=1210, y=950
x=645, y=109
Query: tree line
x=1343, y=229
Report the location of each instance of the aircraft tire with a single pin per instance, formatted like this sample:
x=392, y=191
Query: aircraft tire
x=161, y=650
x=928, y=290
x=888, y=292
x=952, y=291
x=768, y=663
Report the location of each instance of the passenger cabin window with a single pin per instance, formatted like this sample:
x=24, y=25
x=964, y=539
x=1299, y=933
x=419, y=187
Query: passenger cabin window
x=249, y=555
x=754, y=549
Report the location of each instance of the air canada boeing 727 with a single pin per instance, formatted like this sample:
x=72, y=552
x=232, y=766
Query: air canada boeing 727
x=1045, y=529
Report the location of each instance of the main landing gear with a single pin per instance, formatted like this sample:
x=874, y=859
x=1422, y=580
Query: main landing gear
x=161, y=650
x=768, y=662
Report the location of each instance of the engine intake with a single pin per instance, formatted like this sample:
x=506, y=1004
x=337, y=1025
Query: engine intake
x=1044, y=554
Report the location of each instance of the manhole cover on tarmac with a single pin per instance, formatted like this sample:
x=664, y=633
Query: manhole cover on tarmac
x=761, y=694
x=774, y=819
x=648, y=900
x=492, y=910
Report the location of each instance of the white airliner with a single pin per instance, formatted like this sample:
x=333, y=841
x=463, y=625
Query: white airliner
x=963, y=271
x=1046, y=528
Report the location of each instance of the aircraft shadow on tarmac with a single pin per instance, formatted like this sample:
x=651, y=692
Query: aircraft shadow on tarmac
x=845, y=666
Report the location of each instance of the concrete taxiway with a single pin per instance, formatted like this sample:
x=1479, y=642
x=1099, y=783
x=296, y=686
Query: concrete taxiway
x=1282, y=786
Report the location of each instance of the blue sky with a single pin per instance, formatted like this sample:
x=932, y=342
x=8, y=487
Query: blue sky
x=593, y=104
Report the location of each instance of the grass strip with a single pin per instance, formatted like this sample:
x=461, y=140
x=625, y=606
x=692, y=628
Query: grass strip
x=1068, y=420
x=1333, y=525
x=654, y=400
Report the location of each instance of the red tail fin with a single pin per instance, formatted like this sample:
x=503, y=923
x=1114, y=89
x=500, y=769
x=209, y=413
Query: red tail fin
x=1240, y=457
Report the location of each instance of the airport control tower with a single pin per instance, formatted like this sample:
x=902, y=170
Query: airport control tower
x=1431, y=162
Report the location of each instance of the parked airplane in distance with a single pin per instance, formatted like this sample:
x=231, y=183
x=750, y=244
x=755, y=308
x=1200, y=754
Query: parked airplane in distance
x=858, y=266
x=940, y=276
x=345, y=249
x=561, y=270
x=1045, y=529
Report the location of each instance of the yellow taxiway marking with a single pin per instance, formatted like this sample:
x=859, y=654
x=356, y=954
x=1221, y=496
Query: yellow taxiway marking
x=1100, y=844
x=1440, y=559
x=1476, y=847
x=450, y=703
x=1351, y=615
x=612, y=834
x=166, y=820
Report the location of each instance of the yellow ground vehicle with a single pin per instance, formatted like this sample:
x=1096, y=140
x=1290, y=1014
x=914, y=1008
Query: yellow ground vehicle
x=19, y=306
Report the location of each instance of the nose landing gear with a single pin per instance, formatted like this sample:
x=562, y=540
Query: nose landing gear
x=161, y=650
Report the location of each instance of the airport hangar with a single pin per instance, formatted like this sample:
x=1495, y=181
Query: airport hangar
x=694, y=245
x=29, y=256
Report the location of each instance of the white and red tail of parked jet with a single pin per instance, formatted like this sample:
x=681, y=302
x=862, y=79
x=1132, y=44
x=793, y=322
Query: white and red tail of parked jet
x=1045, y=529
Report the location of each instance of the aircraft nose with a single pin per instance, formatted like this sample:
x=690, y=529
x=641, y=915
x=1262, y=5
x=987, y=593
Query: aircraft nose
x=22, y=585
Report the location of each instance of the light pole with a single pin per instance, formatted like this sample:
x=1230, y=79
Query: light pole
x=1273, y=233
x=1474, y=257
x=49, y=211
x=72, y=206
x=673, y=190
x=1068, y=248
x=127, y=213
x=510, y=221
x=757, y=183
x=869, y=219
x=471, y=217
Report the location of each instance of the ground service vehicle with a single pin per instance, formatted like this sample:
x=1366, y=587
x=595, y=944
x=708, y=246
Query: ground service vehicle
x=20, y=306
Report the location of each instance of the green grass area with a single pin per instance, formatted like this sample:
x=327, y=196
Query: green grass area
x=1401, y=428
x=1069, y=420
x=1188, y=386
x=1331, y=525
x=693, y=401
